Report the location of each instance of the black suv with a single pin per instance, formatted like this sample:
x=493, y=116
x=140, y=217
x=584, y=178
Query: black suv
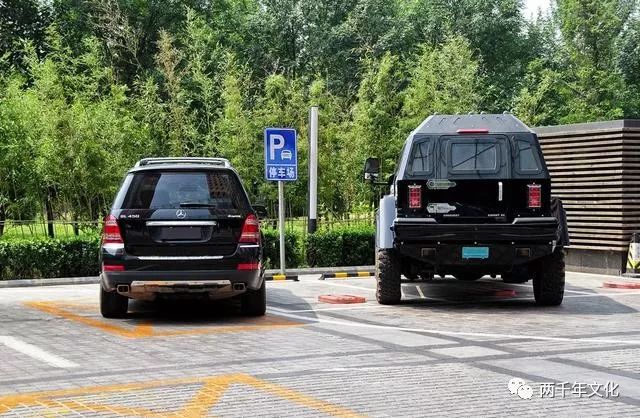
x=181, y=227
x=471, y=197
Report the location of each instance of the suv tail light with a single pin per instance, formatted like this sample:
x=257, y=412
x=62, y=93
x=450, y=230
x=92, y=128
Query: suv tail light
x=248, y=266
x=250, y=230
x=535, y=196
x=111, y=231
x=415, y=196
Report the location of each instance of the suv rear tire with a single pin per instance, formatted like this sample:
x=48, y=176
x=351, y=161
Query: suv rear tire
x=388, y=284
x=548, y=282
x=112, y=304
x=254, y=302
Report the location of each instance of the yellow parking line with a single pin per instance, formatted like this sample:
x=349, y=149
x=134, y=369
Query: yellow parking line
x=207, y=396
x=146, y=329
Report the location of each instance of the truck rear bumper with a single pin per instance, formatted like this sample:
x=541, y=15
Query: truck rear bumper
x=499, y=256
x=507, y=244
x=526, y=232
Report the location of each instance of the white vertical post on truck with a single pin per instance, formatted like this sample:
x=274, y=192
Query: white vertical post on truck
x=313, y=169
x=281, y=164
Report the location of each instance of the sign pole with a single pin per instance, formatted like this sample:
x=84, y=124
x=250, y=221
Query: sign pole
x=313, y=169
x=281, y=224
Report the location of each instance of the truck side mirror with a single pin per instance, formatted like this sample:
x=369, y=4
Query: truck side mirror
x=372, y=169
x=261, y=211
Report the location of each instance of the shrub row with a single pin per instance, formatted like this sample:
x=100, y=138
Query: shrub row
x=69, y=257
x=353, y=246
x=44, y=258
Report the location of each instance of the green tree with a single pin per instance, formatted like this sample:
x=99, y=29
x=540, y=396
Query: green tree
x=444, y=80
x=375, y=130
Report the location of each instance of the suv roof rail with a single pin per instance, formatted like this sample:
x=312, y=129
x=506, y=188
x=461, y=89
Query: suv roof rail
x=222, y=162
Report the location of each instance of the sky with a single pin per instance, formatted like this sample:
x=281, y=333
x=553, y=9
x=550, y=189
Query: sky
x=532, y=6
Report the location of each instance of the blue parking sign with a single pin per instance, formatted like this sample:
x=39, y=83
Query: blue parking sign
x=280, y=154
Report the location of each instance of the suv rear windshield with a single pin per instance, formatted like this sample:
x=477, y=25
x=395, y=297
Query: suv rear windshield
x=181, y=189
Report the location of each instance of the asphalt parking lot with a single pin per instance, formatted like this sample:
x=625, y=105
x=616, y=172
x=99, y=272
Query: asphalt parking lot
x=451, y=347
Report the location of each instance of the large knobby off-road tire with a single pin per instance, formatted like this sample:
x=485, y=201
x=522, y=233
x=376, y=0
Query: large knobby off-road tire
x=388, y=277
x=548, y=282
x=112, y=304
x=254, y=302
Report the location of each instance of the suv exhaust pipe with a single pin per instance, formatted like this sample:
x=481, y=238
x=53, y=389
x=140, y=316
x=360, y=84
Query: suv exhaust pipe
x=122, y=288
x=239, y=287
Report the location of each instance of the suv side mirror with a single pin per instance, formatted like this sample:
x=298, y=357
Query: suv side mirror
x=372, y=169
x=261, y=211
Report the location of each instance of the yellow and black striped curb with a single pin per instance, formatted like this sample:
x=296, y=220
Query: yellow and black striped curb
x=293, y=277
x=347, y=274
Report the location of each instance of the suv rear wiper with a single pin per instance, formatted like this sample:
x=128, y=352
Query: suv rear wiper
x=197, y=205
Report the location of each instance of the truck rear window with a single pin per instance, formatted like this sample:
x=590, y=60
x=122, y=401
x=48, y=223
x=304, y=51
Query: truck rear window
x=526, y=158
x=179, y=189
x=421, y=161
x=474, y=155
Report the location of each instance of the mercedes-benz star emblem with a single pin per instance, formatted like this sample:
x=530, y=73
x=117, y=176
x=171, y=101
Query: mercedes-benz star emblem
x=181, y=214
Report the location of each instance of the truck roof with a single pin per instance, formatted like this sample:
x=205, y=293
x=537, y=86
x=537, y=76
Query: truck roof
x=450, y=124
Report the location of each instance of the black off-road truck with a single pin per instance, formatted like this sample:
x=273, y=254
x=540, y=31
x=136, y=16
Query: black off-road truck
x=471, y=197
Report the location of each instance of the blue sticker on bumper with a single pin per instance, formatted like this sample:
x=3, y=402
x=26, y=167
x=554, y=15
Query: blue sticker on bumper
x=475, y=252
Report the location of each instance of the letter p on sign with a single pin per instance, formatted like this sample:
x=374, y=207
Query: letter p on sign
x=276, y=141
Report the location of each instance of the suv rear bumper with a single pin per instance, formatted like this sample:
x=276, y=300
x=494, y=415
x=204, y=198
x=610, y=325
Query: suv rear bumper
x=147, y=284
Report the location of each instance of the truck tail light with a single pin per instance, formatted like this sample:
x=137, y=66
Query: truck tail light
x=534, y=196
x=415, y=197
x=250, y=230
x=111, y=231
x=468, y=131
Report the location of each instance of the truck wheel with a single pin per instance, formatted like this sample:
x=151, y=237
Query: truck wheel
x=254, y=302
x=548, y=282
x=112, y=304
x=388, y=277
x=468, y=277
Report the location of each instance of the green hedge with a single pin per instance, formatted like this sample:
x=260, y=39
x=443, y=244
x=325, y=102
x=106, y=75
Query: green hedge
x=292, y=246
x=44, y=258
x=352, y=246
x=78, y=256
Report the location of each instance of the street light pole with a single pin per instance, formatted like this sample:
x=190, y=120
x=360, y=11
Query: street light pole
x=313, y=169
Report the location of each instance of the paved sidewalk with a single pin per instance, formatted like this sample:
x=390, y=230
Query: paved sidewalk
x=451, y=348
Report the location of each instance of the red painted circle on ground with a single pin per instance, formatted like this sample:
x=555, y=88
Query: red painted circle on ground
x=341, y=299
x=622, y=285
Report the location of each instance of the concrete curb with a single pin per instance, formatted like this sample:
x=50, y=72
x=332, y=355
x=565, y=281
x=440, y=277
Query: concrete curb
x=49, y=282
x=272, y=274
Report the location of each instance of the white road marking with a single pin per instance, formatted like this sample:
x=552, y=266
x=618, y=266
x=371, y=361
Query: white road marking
x=36, y=352
x=529, y=286
x=456, y=333
x=350, y=286
x=342, y=308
